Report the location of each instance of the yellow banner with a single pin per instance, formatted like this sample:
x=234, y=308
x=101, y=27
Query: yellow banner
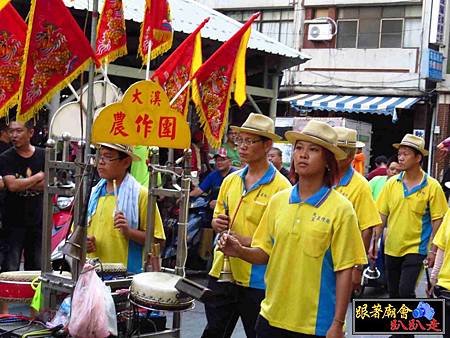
x=144, y=117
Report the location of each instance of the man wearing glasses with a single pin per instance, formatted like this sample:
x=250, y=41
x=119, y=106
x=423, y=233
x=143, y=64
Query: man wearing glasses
x=243, y=197
x=118, y=220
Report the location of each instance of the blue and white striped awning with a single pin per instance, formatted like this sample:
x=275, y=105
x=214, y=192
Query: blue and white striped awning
x=383, y=105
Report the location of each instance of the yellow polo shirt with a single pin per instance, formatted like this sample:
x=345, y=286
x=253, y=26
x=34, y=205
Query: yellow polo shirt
x=111, y=245
x=254, y=202
x=357, y=190
x=409, y=214
x=442, y=241
x=307, y=241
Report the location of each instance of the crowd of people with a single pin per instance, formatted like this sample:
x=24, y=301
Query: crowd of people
x=314, y=225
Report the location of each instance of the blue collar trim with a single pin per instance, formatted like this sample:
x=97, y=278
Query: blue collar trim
x=267, y=178
x=315, y=200
x=418, y=187
x=345, y=180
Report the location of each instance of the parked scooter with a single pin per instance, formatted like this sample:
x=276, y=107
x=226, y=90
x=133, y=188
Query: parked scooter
x=199, y=217
x=62, y=220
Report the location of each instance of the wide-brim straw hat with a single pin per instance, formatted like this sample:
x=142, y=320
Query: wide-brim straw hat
x=320, y=133
x=126, y=149
x=348, y=138
x=258, y=124
x=413, y=141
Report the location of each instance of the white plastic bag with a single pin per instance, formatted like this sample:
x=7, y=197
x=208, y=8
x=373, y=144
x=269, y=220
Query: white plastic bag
x=110, y=309
x=90, y=313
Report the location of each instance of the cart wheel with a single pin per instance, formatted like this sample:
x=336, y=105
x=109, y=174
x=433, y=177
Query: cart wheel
x=359, y=292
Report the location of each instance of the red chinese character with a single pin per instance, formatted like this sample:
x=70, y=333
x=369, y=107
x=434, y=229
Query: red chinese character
x=146, y=122
x=167, y=127
x=395, y=326
x=433, y=325
x=155, y=98
x=420, y=325
x=412, y=325
x=117, y=127
x=136, y=97
x=404, y=327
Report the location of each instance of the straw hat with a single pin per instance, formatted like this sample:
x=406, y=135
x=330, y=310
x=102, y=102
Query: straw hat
x=258, y=124
x=320, y=133
x=413, y=141
x=122, y=148
x=347, y=138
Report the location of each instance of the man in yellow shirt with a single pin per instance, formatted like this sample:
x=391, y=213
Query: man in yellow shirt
x=243, y=197
x=442, y=287
x=413, y=205
x=116, y=231
x=310, y=239
x=357, y=190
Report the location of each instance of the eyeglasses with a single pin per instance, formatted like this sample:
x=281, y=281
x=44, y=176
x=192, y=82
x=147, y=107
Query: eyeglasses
x=108, y=159
x=246, y=142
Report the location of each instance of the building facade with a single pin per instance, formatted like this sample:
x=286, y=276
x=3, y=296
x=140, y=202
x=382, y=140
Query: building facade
x=370, y=61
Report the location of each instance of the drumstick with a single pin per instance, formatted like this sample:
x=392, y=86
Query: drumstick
x=235, y=214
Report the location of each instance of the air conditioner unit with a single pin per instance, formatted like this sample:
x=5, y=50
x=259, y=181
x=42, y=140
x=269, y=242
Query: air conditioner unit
x=319, y=32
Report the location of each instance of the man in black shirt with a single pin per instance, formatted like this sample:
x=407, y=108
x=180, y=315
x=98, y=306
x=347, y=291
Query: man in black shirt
x=22, y=168
x=276, y=157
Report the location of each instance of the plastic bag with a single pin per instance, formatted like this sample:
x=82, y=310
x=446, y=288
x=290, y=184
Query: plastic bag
x=110, y=309
x=91, y=312
x=62, y=315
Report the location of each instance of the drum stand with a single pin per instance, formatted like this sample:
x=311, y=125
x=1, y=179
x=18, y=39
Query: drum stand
x=181, y=193
x=58, y=175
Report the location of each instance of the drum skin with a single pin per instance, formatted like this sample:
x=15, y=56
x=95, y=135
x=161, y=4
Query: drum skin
x=157, y=290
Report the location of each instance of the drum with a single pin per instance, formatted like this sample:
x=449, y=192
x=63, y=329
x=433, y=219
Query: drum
x=15, y=286
x=111, y=270
x=156, y=290
x=19, y=286
x=67, y=120
x=112, y=94
x=67, y=117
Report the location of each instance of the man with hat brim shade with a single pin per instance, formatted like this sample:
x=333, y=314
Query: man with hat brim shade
x=213, y=181
x=412, y=205
x=302, y=236
x=243, y=197
x=356, y=189
x=118, y=219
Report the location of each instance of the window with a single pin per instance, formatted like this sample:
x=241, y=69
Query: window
x=348, y=33
x=277, y=24
x=391, y=33
x=379, y=27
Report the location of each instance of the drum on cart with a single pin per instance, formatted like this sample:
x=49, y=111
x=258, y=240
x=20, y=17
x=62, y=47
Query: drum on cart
x=156, y=290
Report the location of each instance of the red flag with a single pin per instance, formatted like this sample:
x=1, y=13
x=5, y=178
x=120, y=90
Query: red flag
x=211, y=89
x=177, y=69
x=13, y=31
x=111, y=34
x=56, y=52
x=156, y=28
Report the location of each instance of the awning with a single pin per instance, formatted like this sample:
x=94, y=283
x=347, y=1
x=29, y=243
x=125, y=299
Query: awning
x=383, y=105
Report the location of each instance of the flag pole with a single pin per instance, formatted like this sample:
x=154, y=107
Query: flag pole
x=149, y=50
x=180, y=92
